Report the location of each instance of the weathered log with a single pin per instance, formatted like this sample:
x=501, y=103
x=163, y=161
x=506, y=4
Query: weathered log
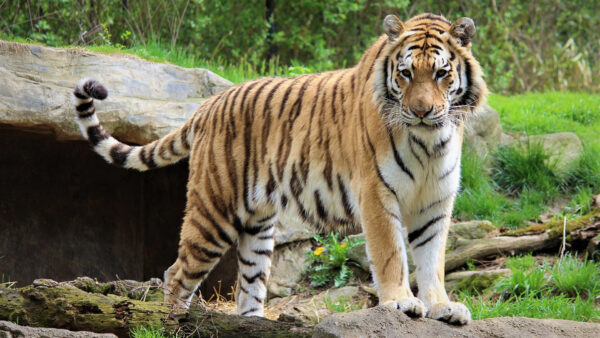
x=497, y=246
x=68, y=307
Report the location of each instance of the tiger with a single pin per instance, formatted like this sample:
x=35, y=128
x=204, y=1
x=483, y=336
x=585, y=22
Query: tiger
x=376, y=146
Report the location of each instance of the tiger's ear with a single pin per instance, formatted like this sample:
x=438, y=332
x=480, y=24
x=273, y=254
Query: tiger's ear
x=392, y=26
x=464, y=30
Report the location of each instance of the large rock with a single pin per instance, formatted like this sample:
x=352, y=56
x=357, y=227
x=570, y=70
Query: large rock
x=146, y=99
x=483, y=130
x=563, y=148
x=386, y=322
x=289, y=261
x=10, y=330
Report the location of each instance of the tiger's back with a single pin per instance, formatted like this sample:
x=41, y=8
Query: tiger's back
x=376, y=145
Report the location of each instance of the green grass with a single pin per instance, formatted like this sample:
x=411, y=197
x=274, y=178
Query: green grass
x=565, y=289
x=551, y=112
x=144, y=332
x=525, y=166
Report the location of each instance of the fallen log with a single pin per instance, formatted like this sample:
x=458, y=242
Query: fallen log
x=65, y=306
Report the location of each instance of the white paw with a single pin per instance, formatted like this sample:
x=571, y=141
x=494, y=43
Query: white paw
x=412, y=306
x=452, y=313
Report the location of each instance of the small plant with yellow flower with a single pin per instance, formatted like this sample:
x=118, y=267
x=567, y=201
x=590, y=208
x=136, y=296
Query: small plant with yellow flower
x=330, y=260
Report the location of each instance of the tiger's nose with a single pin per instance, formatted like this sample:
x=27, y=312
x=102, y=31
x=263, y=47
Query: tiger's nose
x=420, y=111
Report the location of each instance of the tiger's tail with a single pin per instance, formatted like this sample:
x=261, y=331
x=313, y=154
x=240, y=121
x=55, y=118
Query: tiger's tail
x=162, y=152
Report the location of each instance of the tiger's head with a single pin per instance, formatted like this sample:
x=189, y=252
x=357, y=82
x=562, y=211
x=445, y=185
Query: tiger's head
x=427, y=76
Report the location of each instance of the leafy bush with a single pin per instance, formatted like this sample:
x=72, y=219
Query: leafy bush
x=330, y=260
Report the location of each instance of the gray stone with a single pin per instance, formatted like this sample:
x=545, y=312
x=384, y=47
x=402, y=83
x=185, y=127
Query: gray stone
x=12, y=330
x=290, y=229
x=289, y=261
x=564, y=148
x=386, y=322
x=483, y=130
x=146, y=100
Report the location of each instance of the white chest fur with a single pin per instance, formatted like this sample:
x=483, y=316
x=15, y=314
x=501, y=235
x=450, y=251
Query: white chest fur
x=423, y=167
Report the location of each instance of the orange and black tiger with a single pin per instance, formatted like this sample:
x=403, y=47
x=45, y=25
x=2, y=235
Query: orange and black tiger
x=376, y=145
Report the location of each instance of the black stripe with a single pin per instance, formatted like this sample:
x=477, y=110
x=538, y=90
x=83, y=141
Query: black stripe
x=264, y=219
x=79, y=95
x=96, y=134
x=267, y=253
x=84, y=106
x=399, y=159
x=244, y=261
x=248, y=311
x=119, y=153
x=206, y=234
x=345, y=199
x=178, y=281
x=148, y=160
x=431, y=205
x=260, y=275
x=441, y=145
x=263, y=237
x=377, y=166
x=321, y=211
x=237, y=224
x=425, y=241
x=88, y=114
x=194, y=275
x=415, y=234
x=449, y=171
x=210, y=253
x=414, y=153
x=420, y=143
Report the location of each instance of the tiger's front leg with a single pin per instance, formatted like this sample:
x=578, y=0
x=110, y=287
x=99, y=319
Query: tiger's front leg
x=387, y=253
x=427, y=238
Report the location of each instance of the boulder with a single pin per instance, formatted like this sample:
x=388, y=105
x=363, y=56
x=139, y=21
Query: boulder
x=289, y=261
x=564, y=148
x=386, y=322
x=483, y=130
x=146, y=99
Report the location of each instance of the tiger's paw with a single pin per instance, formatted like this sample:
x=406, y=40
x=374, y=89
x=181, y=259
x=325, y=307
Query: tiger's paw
x=412, y=306
x=451, y=313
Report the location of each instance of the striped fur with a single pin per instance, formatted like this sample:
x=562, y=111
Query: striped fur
x=376, y=145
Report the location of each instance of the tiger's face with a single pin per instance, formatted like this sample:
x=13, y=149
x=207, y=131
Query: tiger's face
x=428, y=77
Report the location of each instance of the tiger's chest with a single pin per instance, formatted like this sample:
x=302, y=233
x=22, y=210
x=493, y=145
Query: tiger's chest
x=423, y=166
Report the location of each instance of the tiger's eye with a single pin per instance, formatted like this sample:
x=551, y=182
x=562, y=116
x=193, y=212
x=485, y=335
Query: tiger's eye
x=406, y=73
x=441, y=73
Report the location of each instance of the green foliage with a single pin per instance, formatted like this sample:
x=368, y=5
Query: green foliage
x=144, y=332
x=522, y=46
x=575, y=277
x=525, y=166
x=559, y=307
x=526, y=279
x=586, y=173
x=566, y=289
x=480, y=197
x=330, y=260
x=341, y=304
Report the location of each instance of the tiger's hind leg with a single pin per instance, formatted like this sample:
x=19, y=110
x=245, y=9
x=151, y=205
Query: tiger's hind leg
x=255, y=248
x=203, y=241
